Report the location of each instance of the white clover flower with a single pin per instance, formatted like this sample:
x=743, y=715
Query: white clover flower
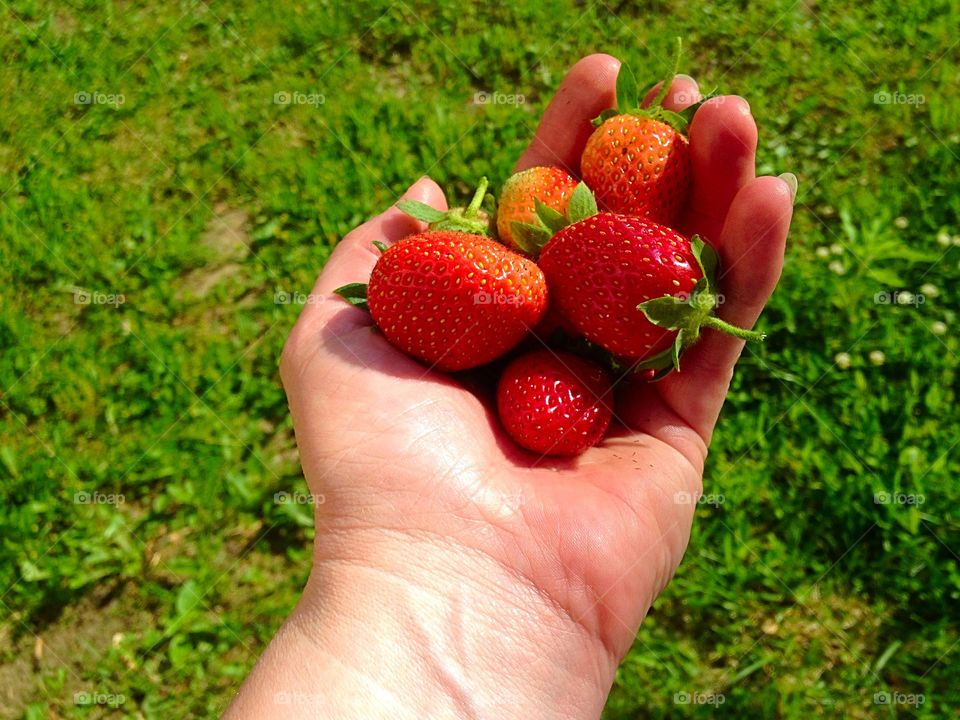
x=824, y=252
x=943, y=238
x=905, y=298
x=842, y=360
x=901, y=222
x=836, y=249
x=929, y=290
x=837, y=267
x=877, y=357
x=939, y=328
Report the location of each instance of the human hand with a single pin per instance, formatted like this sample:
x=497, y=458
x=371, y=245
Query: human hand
x=455, y=573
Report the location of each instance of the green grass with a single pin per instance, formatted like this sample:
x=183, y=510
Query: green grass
x=800, y=595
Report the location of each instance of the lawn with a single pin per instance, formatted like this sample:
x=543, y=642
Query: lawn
x=172, y=178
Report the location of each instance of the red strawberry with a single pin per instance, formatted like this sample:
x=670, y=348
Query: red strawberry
x=635, y=288
x=554, y=403
x=453, y=299
x=638, y=166
x=516, y=209
x=637, y=162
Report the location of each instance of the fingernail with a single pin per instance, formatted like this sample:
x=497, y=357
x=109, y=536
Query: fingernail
x=681, y=76
x=791, y=180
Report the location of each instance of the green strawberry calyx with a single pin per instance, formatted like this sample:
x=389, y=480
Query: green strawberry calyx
x=630, y=99
x=531, y=237
x=689, y=314
x=471, y=219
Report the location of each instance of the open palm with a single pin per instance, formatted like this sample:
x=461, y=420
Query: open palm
x=401, y=450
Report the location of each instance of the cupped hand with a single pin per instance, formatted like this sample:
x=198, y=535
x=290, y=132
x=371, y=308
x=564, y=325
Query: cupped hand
x=406, y=456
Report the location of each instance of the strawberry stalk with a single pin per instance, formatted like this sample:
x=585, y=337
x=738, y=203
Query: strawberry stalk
x=630, y=99
x=689, y=315
x=470, y=219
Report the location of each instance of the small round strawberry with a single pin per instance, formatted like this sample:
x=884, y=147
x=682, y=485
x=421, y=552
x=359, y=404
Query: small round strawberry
x=637, y=161
x=638, y=166
x=554, y=403
x=639, y=290
x=518, y=224
x=453, y=299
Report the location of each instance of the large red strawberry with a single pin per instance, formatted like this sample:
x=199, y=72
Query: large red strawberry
x=518, y=224
x=636, y=288
x=554, y=403
x=454, y=300
x=637, y=161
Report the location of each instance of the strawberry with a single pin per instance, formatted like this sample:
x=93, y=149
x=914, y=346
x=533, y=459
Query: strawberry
x=637, y=161
x=554, y=403
x=518, y=225
x=640, y=290
x=451, y=298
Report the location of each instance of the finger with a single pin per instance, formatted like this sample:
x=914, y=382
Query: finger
x=588, y=89
x=683, y=92
x=355, y=255
x=723, y=143
x=751, y=252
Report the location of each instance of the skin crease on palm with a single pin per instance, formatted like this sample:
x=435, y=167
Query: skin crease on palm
x=493, y=558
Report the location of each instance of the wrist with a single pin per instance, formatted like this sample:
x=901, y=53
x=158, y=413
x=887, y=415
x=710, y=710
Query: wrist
x=397, y=626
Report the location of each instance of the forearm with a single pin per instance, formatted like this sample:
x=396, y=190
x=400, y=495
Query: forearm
x=407, y=629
